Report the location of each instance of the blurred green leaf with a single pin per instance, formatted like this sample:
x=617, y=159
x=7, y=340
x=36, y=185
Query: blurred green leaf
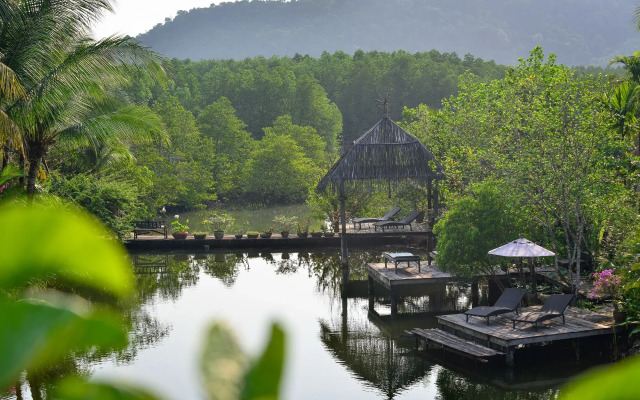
x=77, y=390
x=263, y=380
x=615, y=382
x=57, y=242
x=34, y=333
x=223, y=364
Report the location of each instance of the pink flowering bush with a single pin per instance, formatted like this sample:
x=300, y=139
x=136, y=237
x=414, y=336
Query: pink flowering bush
x=606, y=284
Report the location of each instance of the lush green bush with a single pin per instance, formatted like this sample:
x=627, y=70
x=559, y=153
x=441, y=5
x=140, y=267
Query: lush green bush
x=115, y=202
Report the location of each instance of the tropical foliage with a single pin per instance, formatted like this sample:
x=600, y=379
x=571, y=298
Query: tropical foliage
x=543, y=135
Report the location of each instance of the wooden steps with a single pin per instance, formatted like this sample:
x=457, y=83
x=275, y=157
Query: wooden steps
x=450, y=342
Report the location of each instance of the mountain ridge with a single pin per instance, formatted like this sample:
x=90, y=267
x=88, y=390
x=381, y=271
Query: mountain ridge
x=580, y=32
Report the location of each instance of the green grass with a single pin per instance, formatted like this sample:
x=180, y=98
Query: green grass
x=252, y=218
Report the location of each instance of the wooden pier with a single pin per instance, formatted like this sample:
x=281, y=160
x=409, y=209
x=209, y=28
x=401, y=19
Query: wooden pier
x=499, y=338
x=365, y=237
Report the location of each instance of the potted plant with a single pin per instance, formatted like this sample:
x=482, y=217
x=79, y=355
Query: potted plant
x=199, y=235
x=607, y=284
x=285, y=224
x=179, y=230
x=303, y=229
x=252, y=234
x=266, y=233
x=315, y=233
x=219, y=222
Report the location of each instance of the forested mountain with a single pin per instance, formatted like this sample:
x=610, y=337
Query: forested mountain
x=580, y=32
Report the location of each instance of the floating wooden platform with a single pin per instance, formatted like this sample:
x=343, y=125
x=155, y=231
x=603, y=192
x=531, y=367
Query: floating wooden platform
x=500, y=336
x=406, y=275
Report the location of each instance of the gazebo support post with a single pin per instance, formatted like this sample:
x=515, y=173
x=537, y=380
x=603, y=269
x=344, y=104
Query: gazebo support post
x=343, y=241
x=343, y=222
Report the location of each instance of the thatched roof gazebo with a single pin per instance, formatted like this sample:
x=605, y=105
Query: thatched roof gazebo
x=385, y=155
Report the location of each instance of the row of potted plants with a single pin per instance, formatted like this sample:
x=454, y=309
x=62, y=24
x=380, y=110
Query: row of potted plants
x=221, y=223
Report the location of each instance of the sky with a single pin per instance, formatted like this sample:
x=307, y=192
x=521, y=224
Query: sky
x=133, y=17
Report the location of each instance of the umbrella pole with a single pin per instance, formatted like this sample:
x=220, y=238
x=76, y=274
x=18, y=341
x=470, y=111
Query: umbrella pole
x=534, y=280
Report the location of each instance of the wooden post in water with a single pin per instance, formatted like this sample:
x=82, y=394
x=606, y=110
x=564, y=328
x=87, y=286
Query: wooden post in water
x=371, y=293
x=343, y=241
x=393, y=297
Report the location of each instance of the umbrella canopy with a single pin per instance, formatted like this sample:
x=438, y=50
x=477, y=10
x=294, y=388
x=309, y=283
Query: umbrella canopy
x=521, y=248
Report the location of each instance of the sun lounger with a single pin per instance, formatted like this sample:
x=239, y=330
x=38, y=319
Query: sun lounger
x=406, y=221
x=554, y=307
x=509, y=301
x=387, y=217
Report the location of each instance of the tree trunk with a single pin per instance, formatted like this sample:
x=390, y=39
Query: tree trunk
x=36, y=153
x=21, y=163
x=5, y=154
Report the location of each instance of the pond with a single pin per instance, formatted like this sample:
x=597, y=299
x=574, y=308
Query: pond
x=337, y=346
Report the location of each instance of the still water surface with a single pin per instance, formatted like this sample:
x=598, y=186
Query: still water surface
x=336, y=349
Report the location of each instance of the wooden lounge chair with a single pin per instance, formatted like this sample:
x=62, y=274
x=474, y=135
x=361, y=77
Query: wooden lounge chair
x=406, y=221
x=554, y=307
x=387, y=217
x=509, y=301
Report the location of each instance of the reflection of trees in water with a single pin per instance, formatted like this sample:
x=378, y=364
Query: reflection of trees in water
x=223, y=266
x=453, y=386
x=38, y=382
x=164, y=275
x=374, y=358
x=327, y=267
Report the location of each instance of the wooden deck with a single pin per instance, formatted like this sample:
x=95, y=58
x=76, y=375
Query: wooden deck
x=391, y=277
x=407, y=275
x=500, y=334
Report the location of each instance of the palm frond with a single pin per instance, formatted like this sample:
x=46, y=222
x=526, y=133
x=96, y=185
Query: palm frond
x=132, y=123
x=10, y=86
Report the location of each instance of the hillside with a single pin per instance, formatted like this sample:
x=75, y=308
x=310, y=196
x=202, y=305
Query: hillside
x=580, y=32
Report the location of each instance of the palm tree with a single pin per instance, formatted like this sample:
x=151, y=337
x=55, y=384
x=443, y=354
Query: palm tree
x=623, y=105
x=70, y=81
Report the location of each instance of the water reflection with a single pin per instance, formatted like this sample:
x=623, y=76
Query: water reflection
x=351, y=343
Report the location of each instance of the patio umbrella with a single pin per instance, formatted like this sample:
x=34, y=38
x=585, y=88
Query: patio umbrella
x=523, y=248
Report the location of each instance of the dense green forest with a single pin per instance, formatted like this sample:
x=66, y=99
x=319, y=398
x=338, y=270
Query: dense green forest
x=581, y=32
x=252, y=131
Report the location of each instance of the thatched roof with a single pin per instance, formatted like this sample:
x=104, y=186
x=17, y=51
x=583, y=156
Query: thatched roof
x=384, y=154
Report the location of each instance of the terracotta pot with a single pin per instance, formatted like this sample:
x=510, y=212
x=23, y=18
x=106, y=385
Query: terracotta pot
x=180, y=235
x=218, y=234
x=619, y=317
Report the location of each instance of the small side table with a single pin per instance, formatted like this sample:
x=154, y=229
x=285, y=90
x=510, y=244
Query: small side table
x=399, y=257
